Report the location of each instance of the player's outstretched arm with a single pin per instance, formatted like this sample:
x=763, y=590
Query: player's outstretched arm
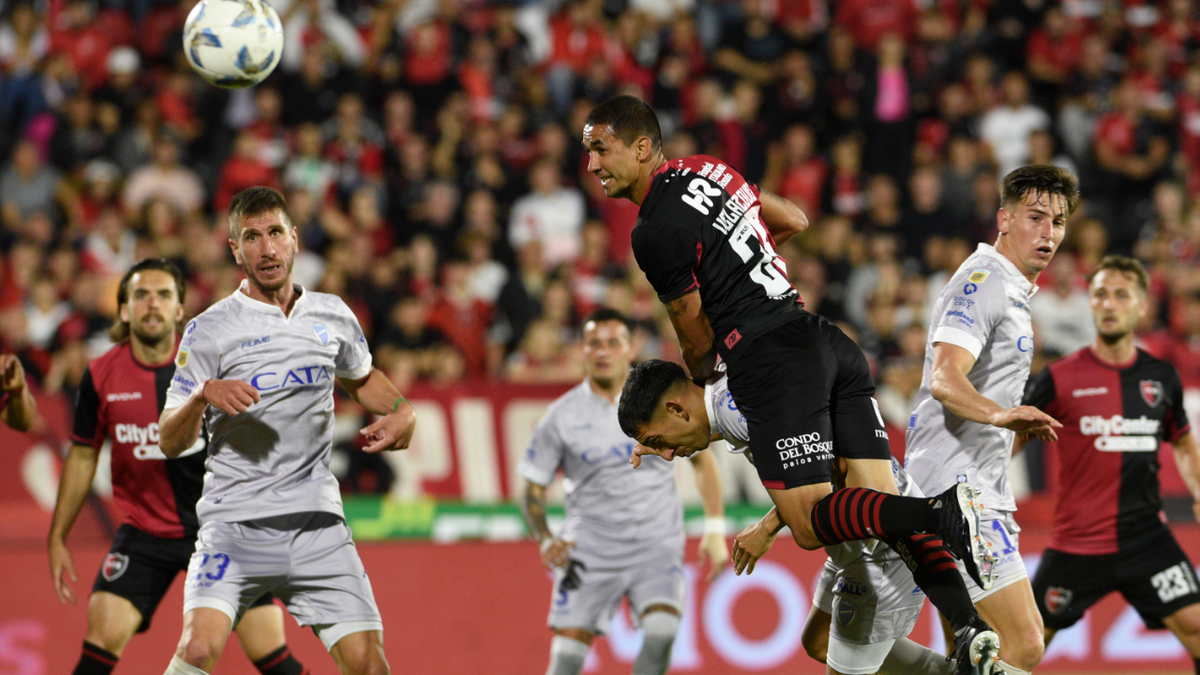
x=753, y=542
x=20, y=412
x=708, y=484
x=533, y=507
x=1187, y=459
x=695, y=335
x=73, y=488
x=782, y=217
x=949, y=385
x=394, y=429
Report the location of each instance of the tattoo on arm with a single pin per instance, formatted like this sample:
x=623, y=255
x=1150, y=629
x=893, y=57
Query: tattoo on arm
x=677, y=307
x=533, y=507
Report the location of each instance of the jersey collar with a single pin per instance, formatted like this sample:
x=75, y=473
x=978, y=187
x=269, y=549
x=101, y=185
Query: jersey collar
x=264, y=308
x=713, y=427
x=1015, y=274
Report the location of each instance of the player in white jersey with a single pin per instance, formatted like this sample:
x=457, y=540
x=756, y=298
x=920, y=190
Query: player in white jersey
x=623, y=535
x=968, y=409
x=866, y=586
x=258, y=367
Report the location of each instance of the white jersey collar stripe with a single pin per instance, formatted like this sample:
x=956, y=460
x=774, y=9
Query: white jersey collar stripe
x=713, y=427
x=264, y=308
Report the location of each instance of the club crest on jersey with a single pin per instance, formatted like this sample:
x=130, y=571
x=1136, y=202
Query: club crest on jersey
x=1152, y=392
x=181, y=358
x=114, y=566
x=1058, y=599
x=322, y=333
x=845, y=613
x=978, y=276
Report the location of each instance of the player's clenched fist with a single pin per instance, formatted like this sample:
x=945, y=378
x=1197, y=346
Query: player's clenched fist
x=12, y=375
x=393, y=431
x=230, y=396
x=555, y=552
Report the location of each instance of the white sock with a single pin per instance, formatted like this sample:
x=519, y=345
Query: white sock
x=180, y=667
x=567, y=656
x=908, y=657
x=658, y=636
x=1012, y=670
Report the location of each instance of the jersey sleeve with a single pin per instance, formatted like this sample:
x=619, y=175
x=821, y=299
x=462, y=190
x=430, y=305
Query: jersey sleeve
x=971, y=313
x=1040, y=392
x=354, y=356
x=669, y=255
x=197, y=361
x=1177, y=424
x=87, y=429
x=545, y=452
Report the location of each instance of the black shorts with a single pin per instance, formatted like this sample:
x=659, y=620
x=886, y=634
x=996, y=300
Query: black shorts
x=141, y=567
x=1157, y=580
x=807, y=395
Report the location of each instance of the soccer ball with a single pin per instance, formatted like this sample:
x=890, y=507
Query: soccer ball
x=233, y=43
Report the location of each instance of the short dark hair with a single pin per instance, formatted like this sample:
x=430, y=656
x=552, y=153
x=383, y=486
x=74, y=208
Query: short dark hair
x=119, y=331
x=255, y=201
x=1040, y=179
x=630, y=118
x=607, y=314
x=1120, y=263
x=644, y=390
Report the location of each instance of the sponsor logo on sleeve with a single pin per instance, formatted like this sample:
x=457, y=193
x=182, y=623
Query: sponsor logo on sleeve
x=1152, y=392
x=969, y=289
x=978, y=276
x=181, y=359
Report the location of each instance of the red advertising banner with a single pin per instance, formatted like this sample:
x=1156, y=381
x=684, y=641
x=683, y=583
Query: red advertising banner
x=480, y=608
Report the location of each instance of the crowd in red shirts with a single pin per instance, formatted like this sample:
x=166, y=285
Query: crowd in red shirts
x=429, y=150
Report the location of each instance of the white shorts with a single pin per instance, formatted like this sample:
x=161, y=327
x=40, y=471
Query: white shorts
x=871, y=604
x=999, y=529
x=308, y=560
x=592, y=604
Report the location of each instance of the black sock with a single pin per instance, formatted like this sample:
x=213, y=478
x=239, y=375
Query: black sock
x=280, y=662
x=851, y=514
x=934, y=571
x=1197, y=664
x=95, y=661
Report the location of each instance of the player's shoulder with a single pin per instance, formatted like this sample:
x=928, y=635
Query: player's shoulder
x=980, y=275
x=1148, y=364
x=328, y=301
x=117, y=359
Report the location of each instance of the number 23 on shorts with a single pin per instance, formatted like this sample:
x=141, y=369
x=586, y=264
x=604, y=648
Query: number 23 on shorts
x=211, y=567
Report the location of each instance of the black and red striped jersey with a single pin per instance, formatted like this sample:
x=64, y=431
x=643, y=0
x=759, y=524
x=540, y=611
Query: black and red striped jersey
x=1115, y=418
x=699, y=228
x=120, y=399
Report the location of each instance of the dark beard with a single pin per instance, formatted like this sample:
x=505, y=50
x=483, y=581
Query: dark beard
x=264, y=287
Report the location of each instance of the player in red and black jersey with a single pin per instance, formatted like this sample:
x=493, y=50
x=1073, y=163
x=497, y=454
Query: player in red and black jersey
x=17, y=407
x=706, y=240
x=120, y=397
x=1117, y=403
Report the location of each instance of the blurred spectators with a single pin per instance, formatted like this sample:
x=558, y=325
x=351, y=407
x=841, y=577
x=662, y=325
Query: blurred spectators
x=430, y=154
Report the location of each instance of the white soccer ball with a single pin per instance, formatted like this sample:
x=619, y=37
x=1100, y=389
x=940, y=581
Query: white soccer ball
x=233, y=43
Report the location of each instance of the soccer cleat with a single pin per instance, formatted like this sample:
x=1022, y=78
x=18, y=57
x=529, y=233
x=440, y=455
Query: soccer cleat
x=961, y=514
x=977, y=650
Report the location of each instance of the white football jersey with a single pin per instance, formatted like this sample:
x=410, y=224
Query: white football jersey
x=985, y=310
x=272, y=459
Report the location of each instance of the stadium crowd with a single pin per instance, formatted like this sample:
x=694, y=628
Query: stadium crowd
x=429, y=151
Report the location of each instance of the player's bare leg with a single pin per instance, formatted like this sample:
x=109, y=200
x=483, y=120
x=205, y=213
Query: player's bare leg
x=660, y=623
x=361, y=654
x=205, y=631
x=1185, y=624
x=261, y=633
x=815, y=636
x=795, y=507
x=1013, y=613
x=905, y=658
x=112, y=621
x=568, y=650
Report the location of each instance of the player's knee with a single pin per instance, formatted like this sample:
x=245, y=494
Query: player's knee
x=804, y=537
x=108, y=638
x=361, y=658
x=198, y=652
x=658, y=636
x=1026, y=651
